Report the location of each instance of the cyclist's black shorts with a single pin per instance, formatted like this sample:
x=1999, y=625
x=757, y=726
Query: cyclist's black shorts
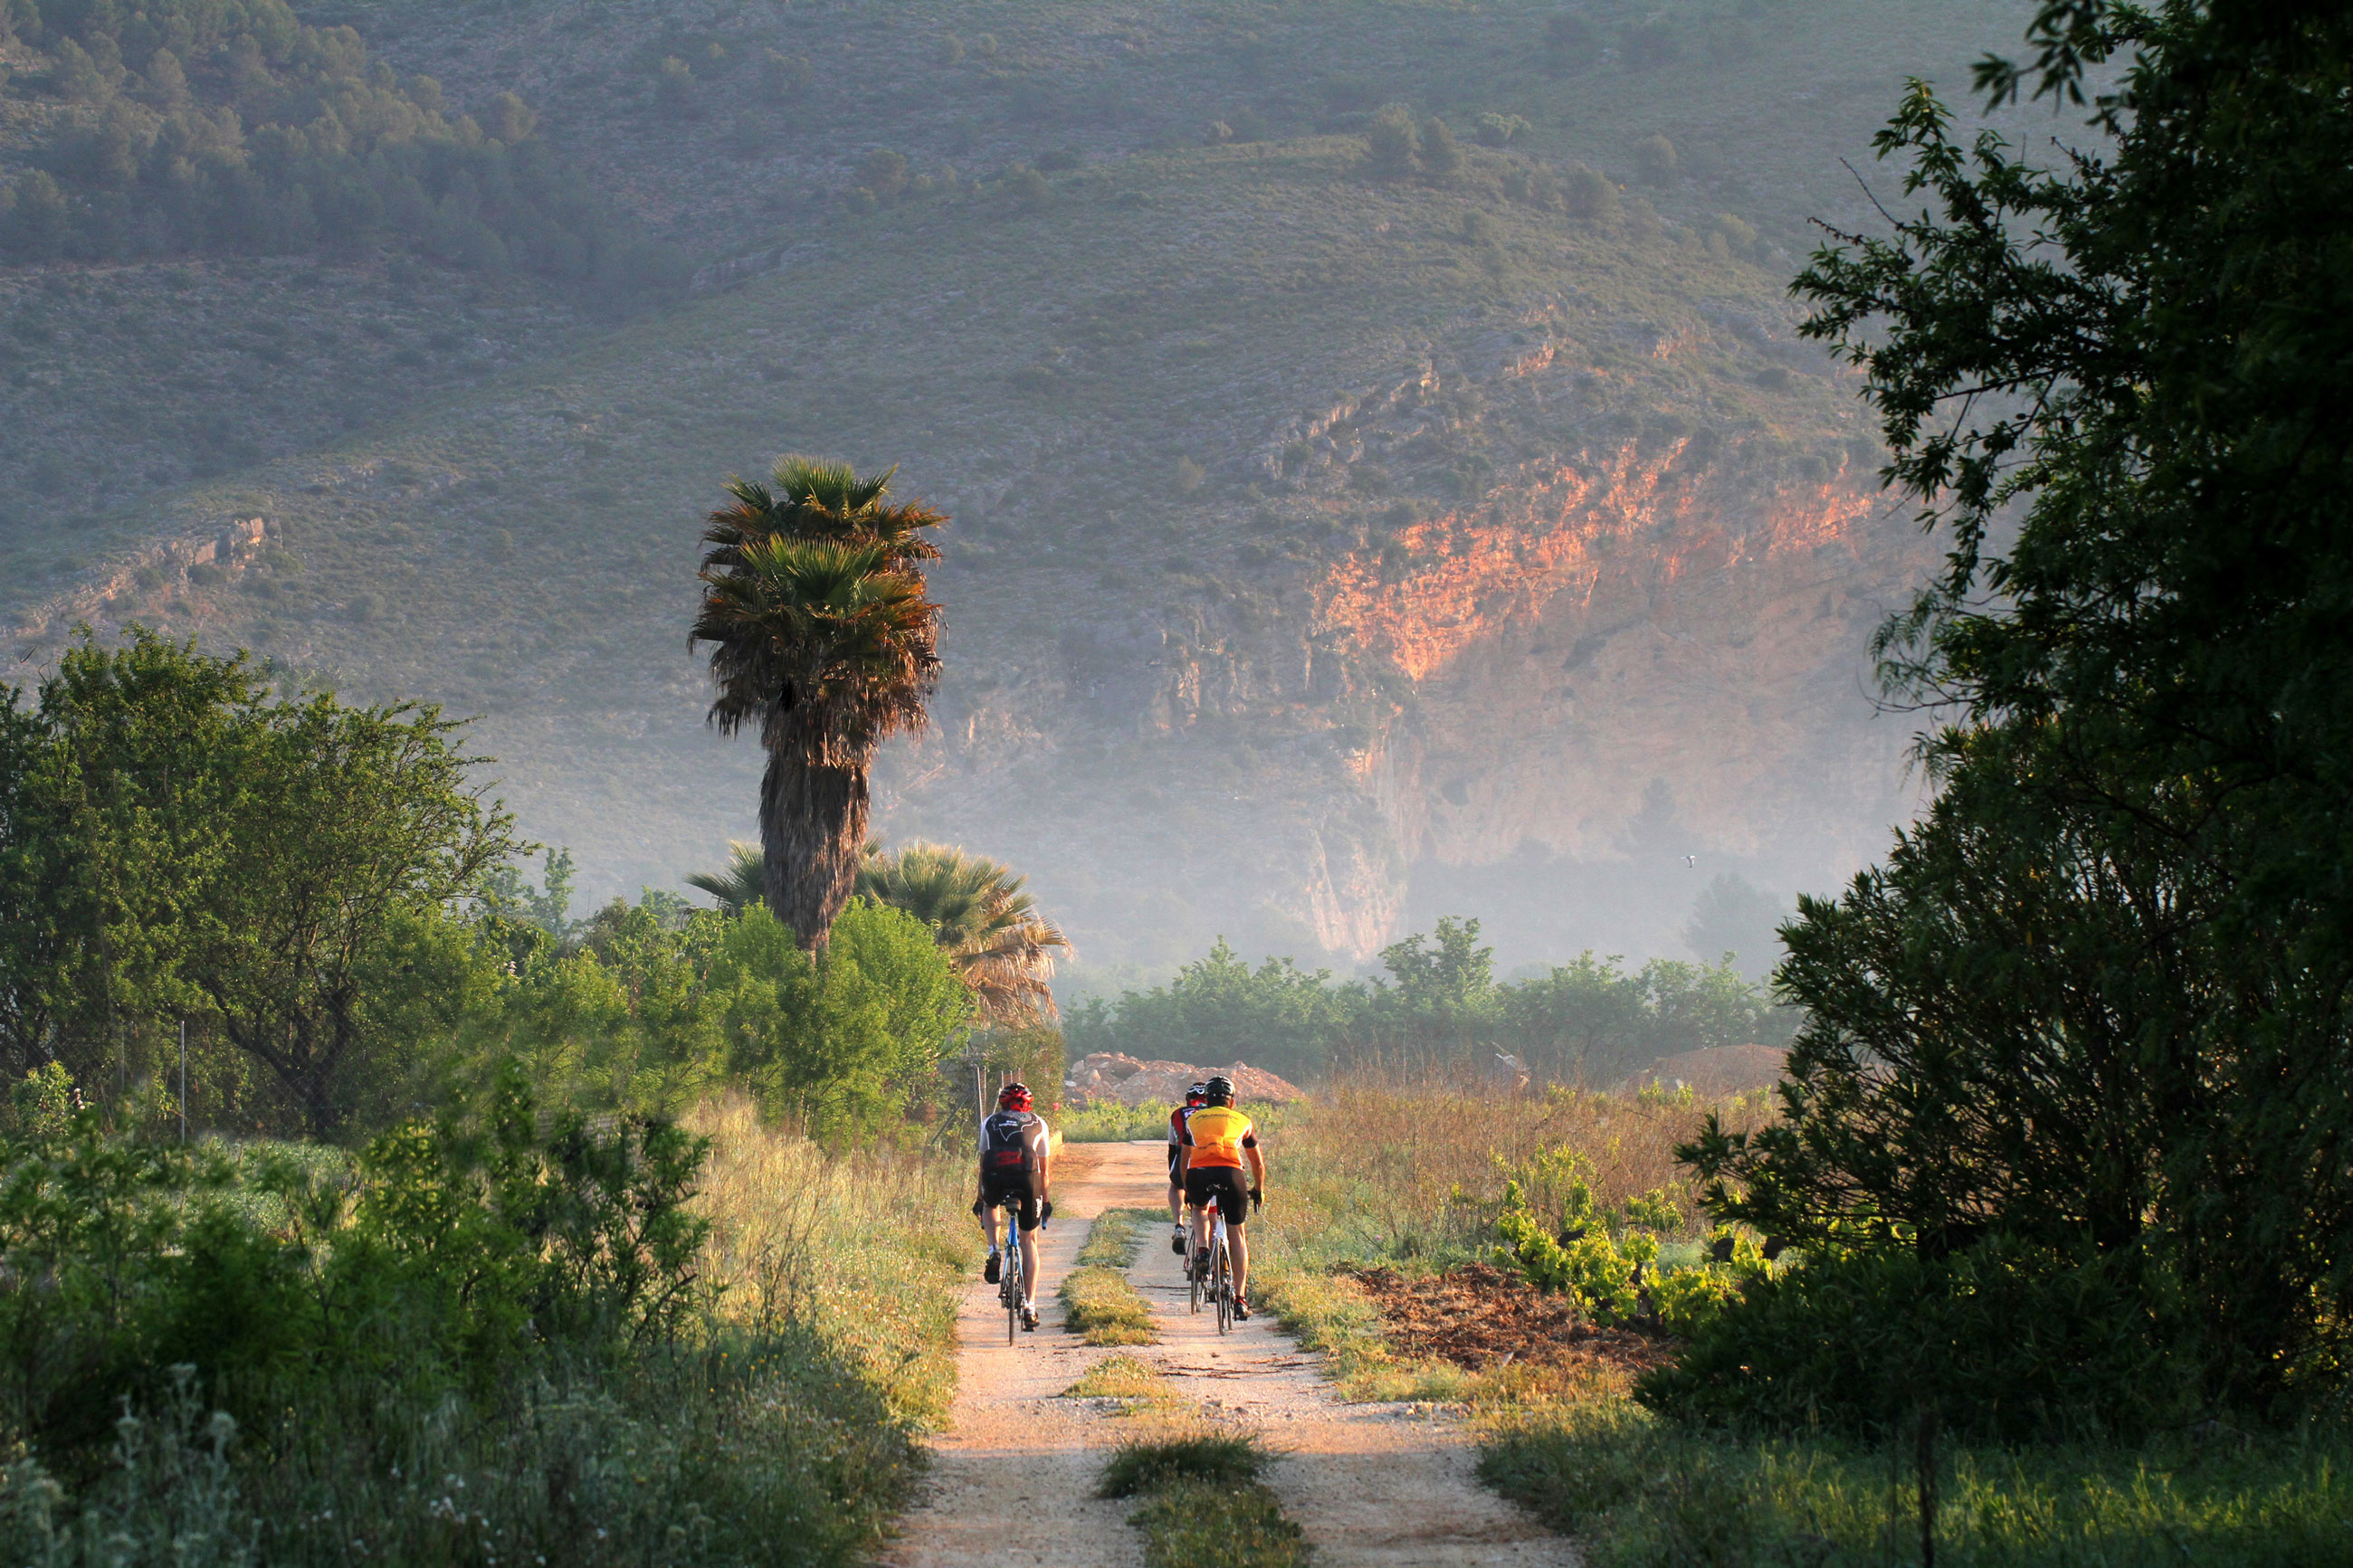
x=1223, y=1185
x=999, y=1192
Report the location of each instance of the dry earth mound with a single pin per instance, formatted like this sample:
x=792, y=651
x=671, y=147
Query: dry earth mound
x=1111, y=1076
x=1478, y=1316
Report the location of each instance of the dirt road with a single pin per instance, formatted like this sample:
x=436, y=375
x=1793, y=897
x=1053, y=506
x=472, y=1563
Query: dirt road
x=1012, y=1480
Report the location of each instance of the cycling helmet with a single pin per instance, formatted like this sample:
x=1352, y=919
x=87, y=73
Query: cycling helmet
x=1220, y=1087
x=1197, y=1094
x=1014, y=1097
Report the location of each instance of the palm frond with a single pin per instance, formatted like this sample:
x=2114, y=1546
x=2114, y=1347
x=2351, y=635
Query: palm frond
x=742, y=885
x=990, y=929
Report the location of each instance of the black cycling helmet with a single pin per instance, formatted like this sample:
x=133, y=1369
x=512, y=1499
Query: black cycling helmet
x=1219, y=1090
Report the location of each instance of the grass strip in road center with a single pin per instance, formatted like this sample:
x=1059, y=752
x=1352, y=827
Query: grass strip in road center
x=1131, y=1384
x=1203, y=1502
x=1099, y=1303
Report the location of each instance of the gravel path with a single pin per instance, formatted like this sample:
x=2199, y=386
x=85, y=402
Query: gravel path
x=1013, y=1478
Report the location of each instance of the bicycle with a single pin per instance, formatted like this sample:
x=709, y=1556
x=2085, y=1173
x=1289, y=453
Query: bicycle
x=1221, y=1279
x=1009, y=1281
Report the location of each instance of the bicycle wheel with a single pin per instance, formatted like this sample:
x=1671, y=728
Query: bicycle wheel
x=1193, y=1274
x=1012, y=1289
x=1224, y=1285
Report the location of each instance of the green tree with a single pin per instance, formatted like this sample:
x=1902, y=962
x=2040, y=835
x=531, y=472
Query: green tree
x=282, y=872
x=1217, y=1009
x=1391, y=142
x=820, y=634
x=1441, y=155
x=2126, y=920
x=1732, y=917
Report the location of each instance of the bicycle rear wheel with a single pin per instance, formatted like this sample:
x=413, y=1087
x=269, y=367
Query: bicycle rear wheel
x=1193, y=1273
x=1012, y=1288
x=1224, y=1289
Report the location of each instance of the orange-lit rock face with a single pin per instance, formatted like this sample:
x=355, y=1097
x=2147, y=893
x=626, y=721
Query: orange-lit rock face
x=1612, y=649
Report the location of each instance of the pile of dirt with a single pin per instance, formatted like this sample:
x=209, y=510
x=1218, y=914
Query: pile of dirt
x=1478, y=1316
x=1718, y=1073
x=1109, y=1076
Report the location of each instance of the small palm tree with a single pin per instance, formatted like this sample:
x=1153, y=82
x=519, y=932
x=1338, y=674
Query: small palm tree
x=990, y=929
x=820, y=634
x=742, y=885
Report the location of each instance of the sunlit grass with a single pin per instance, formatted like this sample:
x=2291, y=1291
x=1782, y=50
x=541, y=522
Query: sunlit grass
x=1100, y=1305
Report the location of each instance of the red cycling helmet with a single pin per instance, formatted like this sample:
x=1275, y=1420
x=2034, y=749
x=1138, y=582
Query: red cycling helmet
x=1014, y=1097
x=1197, y=1095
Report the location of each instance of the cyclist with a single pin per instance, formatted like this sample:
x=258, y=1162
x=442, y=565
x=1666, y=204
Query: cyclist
x=1013, y=1153
x=1217, y=1140
x=1193, y=1099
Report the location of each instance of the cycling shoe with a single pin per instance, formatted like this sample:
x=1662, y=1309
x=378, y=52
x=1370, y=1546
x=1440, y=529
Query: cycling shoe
x=989, y=1270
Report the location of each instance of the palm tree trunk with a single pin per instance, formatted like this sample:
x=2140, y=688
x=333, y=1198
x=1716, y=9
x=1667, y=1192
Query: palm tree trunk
x=812, y=827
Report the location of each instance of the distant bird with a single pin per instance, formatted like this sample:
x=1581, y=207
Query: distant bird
x=1692, y=861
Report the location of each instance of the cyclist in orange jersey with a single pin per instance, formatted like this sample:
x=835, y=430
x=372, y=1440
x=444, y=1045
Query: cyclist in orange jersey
x=1219, y=1141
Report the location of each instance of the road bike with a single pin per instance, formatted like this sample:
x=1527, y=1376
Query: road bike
x=1221, y=1279
x=1009, y=1281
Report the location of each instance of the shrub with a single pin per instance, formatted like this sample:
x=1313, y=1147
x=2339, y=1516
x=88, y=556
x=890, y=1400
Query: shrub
x=1024, y=189
x=1498, y=130
x=951, y=49
x=1189, y=476
x=509, y=118
x=1654, y=161
x=2002, y=1343
x=885, y=172
x=1440, y=153
x=786, y=76
x=1391, y=144
x=1587, y=193
x=1059, y=161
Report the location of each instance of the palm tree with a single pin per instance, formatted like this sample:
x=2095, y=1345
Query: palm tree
x=990, y=929
x=742, y=885
x=813, y=602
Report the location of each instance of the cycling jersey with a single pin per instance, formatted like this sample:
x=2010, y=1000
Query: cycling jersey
x=1176, y=1122
x=1217, y=1134
x=1013, y=1146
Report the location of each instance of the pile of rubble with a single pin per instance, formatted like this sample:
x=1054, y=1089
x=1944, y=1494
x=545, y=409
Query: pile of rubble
x=1107, y=1075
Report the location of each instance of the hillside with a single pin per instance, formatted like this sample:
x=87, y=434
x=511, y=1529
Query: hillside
x=1327, y=545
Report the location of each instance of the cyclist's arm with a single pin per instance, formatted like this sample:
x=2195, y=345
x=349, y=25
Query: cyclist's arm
x=1256, y=1166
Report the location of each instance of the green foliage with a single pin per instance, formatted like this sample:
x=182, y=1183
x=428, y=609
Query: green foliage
x=648, y=1015
x=1391, y=144
x=491, y=1337
x=1585, y=1022
x=253, y=132
x=1587, y=193
x=1219, y=1459
x=280, y=873
x=2085, y=1043
x=1571, y=43
x=1609, y=1261
x=2000, y=1346
x=1187, y=1522
x=1654, y=161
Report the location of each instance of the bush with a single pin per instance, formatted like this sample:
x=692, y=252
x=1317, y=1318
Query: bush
x=1440, y=153
x=674, y=89
x=885, y=172
x=1391, y=144
x=1654, y=161
x=2001, y=1343
x=1498, y=130
x=1587, y=193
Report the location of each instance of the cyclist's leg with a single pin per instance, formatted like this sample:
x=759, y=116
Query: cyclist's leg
x=1027, y=1223
x=1237, y=1246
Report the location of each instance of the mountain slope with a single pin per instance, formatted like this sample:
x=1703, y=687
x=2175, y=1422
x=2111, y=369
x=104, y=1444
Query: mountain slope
x=1326, y=548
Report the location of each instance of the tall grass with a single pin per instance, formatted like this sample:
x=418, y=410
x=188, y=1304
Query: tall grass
x=1392, y=1168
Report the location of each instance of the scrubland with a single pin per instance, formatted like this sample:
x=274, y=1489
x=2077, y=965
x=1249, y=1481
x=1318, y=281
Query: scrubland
x=1411, y=1176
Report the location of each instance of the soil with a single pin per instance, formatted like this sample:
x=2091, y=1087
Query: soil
x=1478, y=1316
x=1012, y=1479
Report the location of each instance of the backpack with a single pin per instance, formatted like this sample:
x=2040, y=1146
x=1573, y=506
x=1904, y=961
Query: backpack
x=1004, y=1148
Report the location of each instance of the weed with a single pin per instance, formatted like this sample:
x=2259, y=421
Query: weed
x=1213, y=1458
x=1101, y=1306
x=1134, y=1383
x=1192, y=1523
